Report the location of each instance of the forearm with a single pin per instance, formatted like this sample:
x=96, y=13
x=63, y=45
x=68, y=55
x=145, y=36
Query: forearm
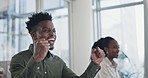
x=91, y=71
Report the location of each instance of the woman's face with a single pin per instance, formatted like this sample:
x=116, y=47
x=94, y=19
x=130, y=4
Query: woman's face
x=113, y=49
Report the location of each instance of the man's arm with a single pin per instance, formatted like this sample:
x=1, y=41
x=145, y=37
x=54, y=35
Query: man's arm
x=18, y=68
x=90, y=72
x=97, y=55
x=94, y=66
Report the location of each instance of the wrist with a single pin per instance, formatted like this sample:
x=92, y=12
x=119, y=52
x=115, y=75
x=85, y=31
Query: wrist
x=95, y=62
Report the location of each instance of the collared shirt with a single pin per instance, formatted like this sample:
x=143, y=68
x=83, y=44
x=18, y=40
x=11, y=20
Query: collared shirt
x=23, y=65
x=108, y=70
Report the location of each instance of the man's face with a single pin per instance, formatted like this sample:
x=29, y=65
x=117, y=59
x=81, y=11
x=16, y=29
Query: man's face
x=45, y=30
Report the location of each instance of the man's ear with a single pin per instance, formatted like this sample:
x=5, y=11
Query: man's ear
x=33, y=35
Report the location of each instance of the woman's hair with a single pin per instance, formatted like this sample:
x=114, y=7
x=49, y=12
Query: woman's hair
x=36, y=18
x=102, y=43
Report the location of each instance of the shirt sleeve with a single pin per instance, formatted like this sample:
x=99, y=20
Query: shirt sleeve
x=19, y=70
x=90, y=72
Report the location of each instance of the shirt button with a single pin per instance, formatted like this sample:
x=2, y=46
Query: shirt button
x=38, y=68
x=45, y=72
x=97, y=70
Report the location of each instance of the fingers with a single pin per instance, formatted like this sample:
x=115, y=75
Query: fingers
x=97, y=55
x=98, y=52
x=102, y=54
x=41, y=47
x=42, y=42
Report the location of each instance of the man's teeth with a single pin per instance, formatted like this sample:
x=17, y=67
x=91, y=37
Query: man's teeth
x=51, y=39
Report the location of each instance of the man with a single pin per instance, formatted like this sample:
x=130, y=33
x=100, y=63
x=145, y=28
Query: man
x=38, y=62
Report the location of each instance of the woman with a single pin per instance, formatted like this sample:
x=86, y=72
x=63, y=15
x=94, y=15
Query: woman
x=108, y=66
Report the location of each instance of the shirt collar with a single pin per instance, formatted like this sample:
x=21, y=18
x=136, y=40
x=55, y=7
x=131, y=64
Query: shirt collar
x=31, y=47
x=108, y=62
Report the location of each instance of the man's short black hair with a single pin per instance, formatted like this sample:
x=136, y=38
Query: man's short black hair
x=36, y=18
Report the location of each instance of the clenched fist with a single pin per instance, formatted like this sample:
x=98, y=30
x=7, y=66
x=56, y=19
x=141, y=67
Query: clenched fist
x=97, y=55
x=41, y=47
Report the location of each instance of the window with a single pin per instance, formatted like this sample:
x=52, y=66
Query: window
x=14, y=35
x=53, y=4
x=106, y=3
x=124, y=21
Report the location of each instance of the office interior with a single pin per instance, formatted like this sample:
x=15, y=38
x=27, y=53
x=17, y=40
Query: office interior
x=79, y=23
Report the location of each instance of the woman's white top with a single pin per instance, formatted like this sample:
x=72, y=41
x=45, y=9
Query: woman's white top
x=108, y=70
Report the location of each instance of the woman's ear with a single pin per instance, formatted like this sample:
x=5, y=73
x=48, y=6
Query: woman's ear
x=106, y=49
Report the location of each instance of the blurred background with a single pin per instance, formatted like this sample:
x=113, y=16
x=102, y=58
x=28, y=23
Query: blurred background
x=79, y=23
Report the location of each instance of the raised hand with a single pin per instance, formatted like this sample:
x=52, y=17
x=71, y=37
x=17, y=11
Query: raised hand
x=41, y=47
x=97, y=55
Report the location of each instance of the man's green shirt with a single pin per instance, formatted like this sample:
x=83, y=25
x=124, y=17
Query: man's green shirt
x=23, y=65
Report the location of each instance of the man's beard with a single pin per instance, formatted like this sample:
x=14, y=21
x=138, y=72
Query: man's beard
x=51, y=48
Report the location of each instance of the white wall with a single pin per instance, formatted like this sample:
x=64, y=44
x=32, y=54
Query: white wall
x=81, y=34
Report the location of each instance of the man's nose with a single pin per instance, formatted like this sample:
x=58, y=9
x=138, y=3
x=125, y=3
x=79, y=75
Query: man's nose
x=52, y=33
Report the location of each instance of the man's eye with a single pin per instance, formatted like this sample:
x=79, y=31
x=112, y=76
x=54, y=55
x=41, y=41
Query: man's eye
x=116, y=47
x=46, y=30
